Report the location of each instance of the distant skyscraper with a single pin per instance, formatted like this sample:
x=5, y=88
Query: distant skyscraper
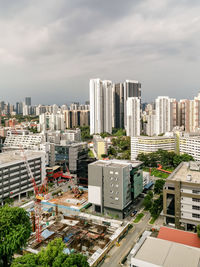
x=133, y=116
x=118, y=105
x=28, y=101
x=100, y=106
x=131, y=89
x=166, y=114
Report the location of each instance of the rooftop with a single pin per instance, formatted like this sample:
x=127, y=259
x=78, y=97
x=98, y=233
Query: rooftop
x=17, y=156
x=117, y=163
x=186, y=172
x=158, y=252
x=179, y=236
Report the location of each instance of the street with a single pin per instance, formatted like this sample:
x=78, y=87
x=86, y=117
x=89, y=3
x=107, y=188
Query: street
x=116, y=254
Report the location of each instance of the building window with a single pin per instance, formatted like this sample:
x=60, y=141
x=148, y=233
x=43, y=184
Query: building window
x=194, y=215
x=116, y=198
x=111, y=172
x=117, y=185
x=111, y=185
x=111, y=191
x=111, y=178
x=196, y=199
x=116, y=173
x=195, y=207
x=116, y=179
x=194, y=191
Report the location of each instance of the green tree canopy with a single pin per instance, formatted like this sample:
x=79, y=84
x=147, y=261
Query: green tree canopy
x=158, y=187
x=198, y=230
x=15, y=229
x=52, y=256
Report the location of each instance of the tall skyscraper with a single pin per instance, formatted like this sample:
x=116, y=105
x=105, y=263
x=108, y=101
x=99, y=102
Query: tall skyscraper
x=118, y=105
x=133, y=116
x=107, y=106
x=166, y=114
x=100, y=106
x=28, y=101
x=131, y=89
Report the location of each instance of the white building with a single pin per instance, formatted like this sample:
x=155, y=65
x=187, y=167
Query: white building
x=190, y=145
x=52, y=122
x=132, y=88
x=145, y=144
x=133, y=116
x=151, y=124
x=100, y=106
x=165, y=114
x=14, y=178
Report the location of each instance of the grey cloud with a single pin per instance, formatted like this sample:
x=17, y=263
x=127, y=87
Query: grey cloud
x=56, y=46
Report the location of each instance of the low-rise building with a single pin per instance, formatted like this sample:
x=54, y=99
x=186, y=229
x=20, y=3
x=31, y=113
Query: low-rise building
x=145, y=144
x=113, y=185
x=14, y=177
x=156, y=252
x=190, y=145
x=181, y=196
x=100, y=146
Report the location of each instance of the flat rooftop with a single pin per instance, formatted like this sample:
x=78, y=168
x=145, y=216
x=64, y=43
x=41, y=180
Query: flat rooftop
x=16, y=156
x=179, y=236
x=164, y=253
x=117, y=163
x=186, y=172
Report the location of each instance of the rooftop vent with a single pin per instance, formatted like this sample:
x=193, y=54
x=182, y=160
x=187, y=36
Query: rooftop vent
x=189, y=178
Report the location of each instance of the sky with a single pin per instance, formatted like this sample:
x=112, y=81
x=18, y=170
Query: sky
x=50, y=49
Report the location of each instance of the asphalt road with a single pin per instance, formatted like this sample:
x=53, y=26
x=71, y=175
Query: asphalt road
x=116, y=254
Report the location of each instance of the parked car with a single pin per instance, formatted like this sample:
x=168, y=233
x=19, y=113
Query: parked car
x=134, y=213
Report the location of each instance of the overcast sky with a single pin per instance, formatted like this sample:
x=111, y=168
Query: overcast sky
x=49, y=49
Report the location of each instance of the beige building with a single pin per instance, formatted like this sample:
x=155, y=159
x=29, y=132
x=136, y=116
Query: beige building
x=100, y=145
x=181, y=196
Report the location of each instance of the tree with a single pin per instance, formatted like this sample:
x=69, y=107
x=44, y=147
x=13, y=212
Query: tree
x=148, y=200
x=157, y=207
x=52, y=256
x=15, y=229
x=158, y=187
x=198, y=230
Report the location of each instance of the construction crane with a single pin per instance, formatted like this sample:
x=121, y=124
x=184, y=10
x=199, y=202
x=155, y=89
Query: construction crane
x=39, y=193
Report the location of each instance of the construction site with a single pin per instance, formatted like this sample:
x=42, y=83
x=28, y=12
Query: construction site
x=59, y=215
x=83, y=233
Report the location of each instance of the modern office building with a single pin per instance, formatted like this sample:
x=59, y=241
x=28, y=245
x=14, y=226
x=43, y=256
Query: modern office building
x=69, y=155
x=146, y=144
x=131, y=89
x=100, y=106
x=28, y=101
x=113, y=185
x=133, y=116
x=14, y=177
x=181, y=196
x=118, y=106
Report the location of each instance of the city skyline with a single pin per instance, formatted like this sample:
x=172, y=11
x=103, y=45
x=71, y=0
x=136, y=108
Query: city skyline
x=49, y=50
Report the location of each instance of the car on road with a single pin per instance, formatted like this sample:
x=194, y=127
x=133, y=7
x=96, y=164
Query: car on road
x=134, y=213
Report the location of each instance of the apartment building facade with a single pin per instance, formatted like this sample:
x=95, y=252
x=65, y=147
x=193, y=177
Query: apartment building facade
x=181, y=196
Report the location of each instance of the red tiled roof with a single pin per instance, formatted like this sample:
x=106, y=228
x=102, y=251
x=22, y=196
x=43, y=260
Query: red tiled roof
x=179, y=236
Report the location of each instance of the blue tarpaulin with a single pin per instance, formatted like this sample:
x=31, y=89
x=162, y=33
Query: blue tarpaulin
x=46, y=233
x=67, y=238
x=147, y=186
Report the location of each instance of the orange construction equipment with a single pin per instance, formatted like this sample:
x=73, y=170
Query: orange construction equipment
x=162, y=170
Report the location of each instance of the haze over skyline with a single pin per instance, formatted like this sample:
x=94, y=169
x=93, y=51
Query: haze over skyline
x=50, y=49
